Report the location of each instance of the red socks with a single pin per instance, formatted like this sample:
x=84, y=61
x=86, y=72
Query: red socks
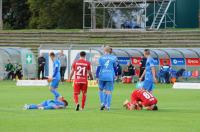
x=83, y=101
x=76, y=100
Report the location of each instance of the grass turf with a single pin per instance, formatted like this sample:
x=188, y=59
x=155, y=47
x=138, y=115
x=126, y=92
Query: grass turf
x=179, y=111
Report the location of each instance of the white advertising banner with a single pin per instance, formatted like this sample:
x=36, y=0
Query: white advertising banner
x=180, y=85
x=32, y=83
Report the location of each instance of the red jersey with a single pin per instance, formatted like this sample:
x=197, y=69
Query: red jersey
x=144, y=96
x=81, y=67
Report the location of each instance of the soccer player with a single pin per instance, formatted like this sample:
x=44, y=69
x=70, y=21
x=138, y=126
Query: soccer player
x=55, y=79
x=149, y=72
x=105, y=77
x=61, y=103
x=141, y=98
x=81, y=68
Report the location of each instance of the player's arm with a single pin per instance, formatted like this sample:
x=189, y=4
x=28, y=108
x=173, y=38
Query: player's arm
x=72, y=71
x=90, y=74
x=55, y=71
x=98, y=71
x=71, y=74
x=144, y=72
x=153, y=69
x=89, y=71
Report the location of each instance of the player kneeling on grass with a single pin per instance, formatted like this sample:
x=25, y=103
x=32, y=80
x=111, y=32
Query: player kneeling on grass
x=141, y=98
x=61, y=103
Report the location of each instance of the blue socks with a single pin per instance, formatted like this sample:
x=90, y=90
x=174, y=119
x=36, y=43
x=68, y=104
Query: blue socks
x=108, y=100
x=33, y=106
x=55, y=93
x=101, y=96
x=105, y=99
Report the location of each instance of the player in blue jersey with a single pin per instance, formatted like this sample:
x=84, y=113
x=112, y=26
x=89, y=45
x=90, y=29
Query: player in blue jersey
x=61, y=103
x=106, y=77
x=55, y=79
x=149, y=72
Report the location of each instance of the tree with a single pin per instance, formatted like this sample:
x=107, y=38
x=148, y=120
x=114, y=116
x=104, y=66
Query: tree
x=56, y=13
x=16, y=14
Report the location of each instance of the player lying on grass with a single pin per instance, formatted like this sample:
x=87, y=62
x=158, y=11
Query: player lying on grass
x=141, y=98
x=61, y=103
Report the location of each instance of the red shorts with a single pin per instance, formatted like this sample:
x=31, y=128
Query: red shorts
x=149, y=103
x=80, y=87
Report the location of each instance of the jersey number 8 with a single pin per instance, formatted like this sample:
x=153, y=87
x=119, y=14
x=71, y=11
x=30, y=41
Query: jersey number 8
x=147, y=95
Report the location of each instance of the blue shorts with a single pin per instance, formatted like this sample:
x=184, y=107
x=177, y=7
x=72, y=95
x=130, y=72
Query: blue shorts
x=148, y=85
x=47, y=103
x=54, y=83
x=106, y=85
x=44, y=103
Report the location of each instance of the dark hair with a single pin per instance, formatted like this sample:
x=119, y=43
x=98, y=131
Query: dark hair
x=52, y=54
x=82, y=54
x=147, y=51
x=65, y=102
x=155, y=107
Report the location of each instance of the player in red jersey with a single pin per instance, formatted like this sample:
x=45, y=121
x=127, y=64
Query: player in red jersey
x=141, y=98
x=80, y=69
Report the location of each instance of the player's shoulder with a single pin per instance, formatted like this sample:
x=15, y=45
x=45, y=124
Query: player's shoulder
x=82, y=61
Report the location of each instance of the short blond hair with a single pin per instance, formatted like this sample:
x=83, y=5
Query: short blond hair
x=107, y=49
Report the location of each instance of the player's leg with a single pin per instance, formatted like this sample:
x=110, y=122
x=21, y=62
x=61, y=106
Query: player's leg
x=84, y=94
x=39, y=71
x=30, y=106
x=53, y=88
x=148, y=85
x=109, y=88
x=101, y=93
x=62, y=73
x=76, y=95
x=34, y=106
x=42, y=72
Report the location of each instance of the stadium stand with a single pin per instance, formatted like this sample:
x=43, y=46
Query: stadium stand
x=151, y=39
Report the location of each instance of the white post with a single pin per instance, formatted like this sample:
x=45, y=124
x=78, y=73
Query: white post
x=1, y=19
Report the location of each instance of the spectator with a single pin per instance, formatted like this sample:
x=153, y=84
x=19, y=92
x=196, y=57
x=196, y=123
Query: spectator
x=63, y=62
x=131, y=69
x=125, y=72
x=118, y=71
x=41, y=64
x=128, y=73
x=165, y=72
x=10, y=70
x=18, y=71
x=142, y=66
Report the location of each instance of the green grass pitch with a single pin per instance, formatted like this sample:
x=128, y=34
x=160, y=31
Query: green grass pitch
x=179, y=111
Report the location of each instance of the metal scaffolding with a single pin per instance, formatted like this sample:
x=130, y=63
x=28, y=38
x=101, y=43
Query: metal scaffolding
x=108, y=8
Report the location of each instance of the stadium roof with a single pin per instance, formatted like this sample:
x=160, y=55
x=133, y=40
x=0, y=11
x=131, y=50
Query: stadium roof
x=98, y=1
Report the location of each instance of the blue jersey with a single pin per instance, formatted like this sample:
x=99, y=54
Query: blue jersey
x=56, y=69
x=52, y=103
x=107, y=64
x=149, y=65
